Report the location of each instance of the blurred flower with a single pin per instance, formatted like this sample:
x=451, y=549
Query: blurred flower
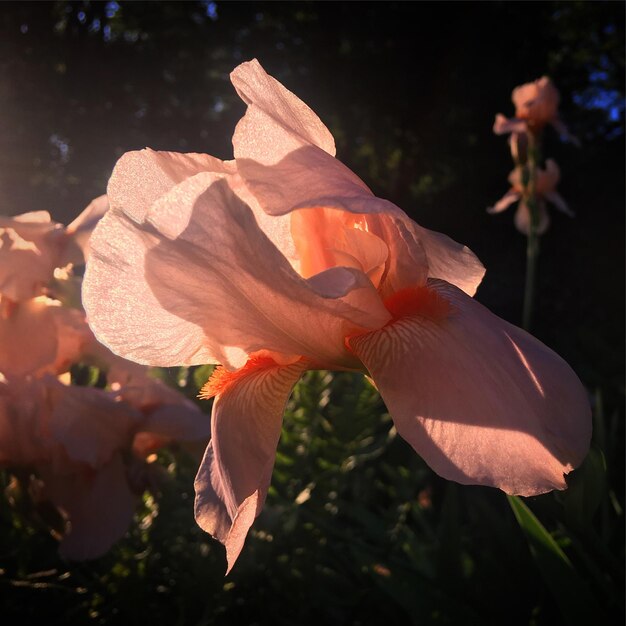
x=32, y=247
x=536, y=105
x=86, y=446
x=546, y=181
x=282, y=261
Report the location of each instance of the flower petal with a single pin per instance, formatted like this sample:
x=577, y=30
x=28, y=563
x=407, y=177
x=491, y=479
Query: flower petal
x=503, y=125
x=141, y=177
x=28, y=337
x=22, y=412
x=81, y=228
x=557, y=200
x=522, y=218
x=507, y=200
x=276, y=120
x=481, y=401
x=89, y=423
x=317, y=180
x=235, y=474
x=100, y=507
x=218, y=284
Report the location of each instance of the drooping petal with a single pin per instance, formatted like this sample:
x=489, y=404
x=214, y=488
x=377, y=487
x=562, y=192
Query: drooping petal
x=480, y=400
x=505, y=202
x=522, y=218
x=201, y=282
x=276, y=121
x=235, y=474
x=22, y=407
x=28, y=337
x=557, y=200
x=99, y=507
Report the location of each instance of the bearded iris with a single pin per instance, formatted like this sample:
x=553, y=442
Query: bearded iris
x=282, y=260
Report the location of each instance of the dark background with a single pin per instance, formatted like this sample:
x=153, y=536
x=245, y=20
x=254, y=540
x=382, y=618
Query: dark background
x=409, y=90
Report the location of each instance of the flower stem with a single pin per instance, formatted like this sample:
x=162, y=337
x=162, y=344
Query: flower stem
x=532, y=253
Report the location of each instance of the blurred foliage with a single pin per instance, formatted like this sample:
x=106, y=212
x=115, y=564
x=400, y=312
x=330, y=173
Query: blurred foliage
x=356, y=530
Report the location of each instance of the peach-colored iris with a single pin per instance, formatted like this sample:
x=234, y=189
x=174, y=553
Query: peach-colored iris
x=283, y=260
x=77, y=442
x=536, y=105
x=546, y=181
x=80, y=448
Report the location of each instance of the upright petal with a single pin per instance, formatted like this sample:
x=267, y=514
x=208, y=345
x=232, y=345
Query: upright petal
x=276, y=121
x=481, y=401
x=30, y=249
x=318, y=180
x=79, y=231
x=141, y=177
x=235, y=474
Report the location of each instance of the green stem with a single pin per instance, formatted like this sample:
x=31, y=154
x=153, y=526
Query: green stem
x=532, y=253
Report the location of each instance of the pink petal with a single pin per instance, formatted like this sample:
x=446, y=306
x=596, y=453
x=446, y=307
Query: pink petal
x=28, y=337
x=449, y=260
x=22, y=411
x=318, y=180
x=273, y=144
x=522, y=218
x=89, y=423
x=99, y=506
x=73, y=339
x=142, y=177
x=557, y=200
x=79, y=231
x=235, y=474
x=503, y=125
x=276, y=121
x=168, y=415
x=30, y=250
x=217, y=291
x=481, y=401
x=507, y=200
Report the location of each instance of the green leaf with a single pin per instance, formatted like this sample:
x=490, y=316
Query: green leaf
x=571, y=593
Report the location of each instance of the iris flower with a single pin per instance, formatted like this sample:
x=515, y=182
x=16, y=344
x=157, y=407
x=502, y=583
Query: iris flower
x=87, y=448
x=281, y=261
x=536, y=105
x=546, y=181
